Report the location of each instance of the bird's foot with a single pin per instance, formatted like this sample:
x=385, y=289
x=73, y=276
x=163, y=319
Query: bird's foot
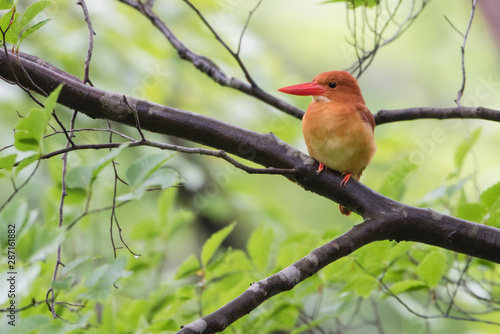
x=321, y=167
x=346, y=178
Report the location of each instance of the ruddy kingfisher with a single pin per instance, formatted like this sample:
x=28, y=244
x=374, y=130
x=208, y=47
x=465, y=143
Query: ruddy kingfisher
x=338, y=128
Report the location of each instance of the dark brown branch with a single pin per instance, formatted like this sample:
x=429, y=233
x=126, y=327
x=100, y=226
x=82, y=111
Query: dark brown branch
x=409, y=114
x=385, y=218
x=420, y=225
x=211, y=69
x=263, y=149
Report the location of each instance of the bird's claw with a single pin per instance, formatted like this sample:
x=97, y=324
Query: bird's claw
x=346, y=178
x=321, y=167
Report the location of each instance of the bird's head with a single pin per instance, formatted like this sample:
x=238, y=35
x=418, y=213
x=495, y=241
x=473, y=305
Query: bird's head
x=327, y=87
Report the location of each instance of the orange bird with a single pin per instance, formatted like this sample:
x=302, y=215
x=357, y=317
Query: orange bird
x=337, y=126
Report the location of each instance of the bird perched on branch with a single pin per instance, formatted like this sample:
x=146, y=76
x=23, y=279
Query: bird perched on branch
x=337, y=126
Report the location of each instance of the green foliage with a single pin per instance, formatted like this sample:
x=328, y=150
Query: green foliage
x=213, y=243
x=432, y=268
x=465, y=148
x=146, y=172
x=6, y=4
x=16, y=25
x=259, y=247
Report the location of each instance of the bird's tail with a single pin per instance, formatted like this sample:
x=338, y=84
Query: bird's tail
x=345, y=211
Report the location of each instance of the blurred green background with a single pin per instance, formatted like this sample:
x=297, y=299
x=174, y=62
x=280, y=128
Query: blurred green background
x=287, y=42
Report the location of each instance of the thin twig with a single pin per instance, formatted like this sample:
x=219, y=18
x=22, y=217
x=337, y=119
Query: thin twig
x=137, y=122
x=235, y=55
x=246, y=26
x=462, y=51
x=114, y=219
x=92, y=33
x=214, y=153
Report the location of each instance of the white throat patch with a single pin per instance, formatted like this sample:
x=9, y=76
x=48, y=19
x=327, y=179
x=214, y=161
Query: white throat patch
x=318, y=98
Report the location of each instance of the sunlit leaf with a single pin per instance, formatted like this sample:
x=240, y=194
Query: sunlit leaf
x=188, y=268
x=259, y=246
x=432, y=267
x=396, y=180
x=33, y=28
x=6, y=4
x=101, y=281
x=32, y=11
x=8, y=162
x=407, y=286
x=471, y=211
x=362, y=285
x=31, y=129
x=213, y=243
x=465, y=147
x=490, y=195
x=7, y=21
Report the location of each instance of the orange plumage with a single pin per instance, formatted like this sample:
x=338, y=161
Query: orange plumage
x=337, y=126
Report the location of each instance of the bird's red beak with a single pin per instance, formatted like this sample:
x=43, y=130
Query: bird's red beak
x=304, y=89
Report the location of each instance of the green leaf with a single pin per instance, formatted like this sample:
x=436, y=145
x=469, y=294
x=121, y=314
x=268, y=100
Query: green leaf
x=79, y=177
x=494, y=219
x=259, y=247
x=33, y=28
x=465, y=147
x=51, y=101
x=163, y=178
x=406, y=286
x=101, y=281
x=232, y=262
x=490, y=195
x=143, y=167
x=31, y=323
x=6, y=4
x=106, y=160
x=5, y=22
x=396, y=180
x=213, y=243
x=31, y=129
x=471, y=211
x=32, y=11
x=25, y=162
x=362, y=285
x=63, y=284
x=8, y=162
x=188, y=268
x=432, y=267
x=75, y=263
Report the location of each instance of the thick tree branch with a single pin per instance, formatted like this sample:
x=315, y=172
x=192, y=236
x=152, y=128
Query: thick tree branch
x=414, y=225
x=263, y=149
x=409, y=114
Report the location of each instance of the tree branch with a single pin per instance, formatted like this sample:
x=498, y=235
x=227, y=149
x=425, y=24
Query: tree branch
x=409, y=114
x=419, y=225
x=211, y=69
x=385, y=219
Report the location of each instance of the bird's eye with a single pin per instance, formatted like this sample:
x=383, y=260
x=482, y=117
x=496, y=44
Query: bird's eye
x=332, y=85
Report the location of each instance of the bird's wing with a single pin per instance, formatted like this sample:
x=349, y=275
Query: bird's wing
x=366, y=115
